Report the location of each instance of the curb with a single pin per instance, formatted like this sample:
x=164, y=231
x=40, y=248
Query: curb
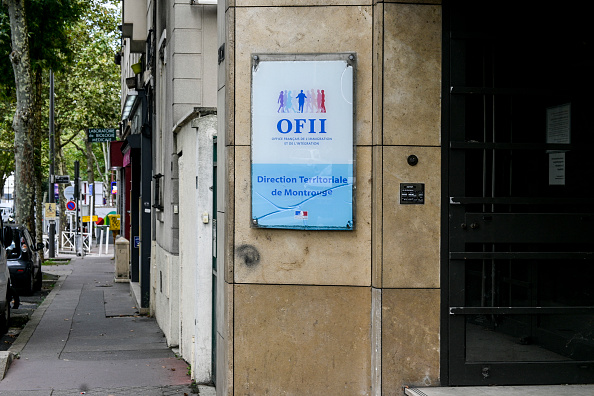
x=6, y=357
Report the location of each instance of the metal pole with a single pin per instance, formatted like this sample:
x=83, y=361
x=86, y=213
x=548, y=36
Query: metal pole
x=76, y=194
x=52, y=225
x=78, y=248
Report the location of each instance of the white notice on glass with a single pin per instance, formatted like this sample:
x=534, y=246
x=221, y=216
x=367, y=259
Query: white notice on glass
x=556, y=169
x=558, y=124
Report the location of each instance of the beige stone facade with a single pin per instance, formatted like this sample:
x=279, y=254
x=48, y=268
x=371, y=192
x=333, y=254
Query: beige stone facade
x=344, y=312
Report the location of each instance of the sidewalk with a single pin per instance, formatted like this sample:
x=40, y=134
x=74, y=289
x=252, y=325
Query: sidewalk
x=87, y=336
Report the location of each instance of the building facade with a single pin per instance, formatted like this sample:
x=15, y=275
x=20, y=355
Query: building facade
x=340, y=312
x=469, y=262
x=168, y=110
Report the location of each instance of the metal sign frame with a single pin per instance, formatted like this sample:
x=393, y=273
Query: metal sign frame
x=303, y=141
x=61, y=179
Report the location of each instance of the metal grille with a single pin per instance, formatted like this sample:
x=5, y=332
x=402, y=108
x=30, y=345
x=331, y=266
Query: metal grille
x=519, y=198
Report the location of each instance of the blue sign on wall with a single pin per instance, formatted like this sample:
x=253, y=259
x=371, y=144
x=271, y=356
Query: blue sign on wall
x=302, y=142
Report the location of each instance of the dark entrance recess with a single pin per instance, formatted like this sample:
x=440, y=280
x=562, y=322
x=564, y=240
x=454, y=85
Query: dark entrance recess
x=518, y=219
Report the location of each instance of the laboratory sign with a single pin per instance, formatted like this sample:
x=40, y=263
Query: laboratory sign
x=102, y=135
x=302, y=141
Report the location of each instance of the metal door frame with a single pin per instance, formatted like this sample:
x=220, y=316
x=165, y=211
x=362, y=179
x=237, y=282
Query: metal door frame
x=454, y=368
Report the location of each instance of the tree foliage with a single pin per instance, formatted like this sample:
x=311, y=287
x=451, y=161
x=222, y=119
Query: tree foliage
x=6, y=141
x=23, y=116
x=77, y=39
x=49, y=23
x=88, y=91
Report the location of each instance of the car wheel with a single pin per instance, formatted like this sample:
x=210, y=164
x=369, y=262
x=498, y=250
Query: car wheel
x=38, y=280
x=5, y=318
x=30, y=286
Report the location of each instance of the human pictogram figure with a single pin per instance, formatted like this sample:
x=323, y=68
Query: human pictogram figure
x=309, y=103
x=301, y=98
x=288, y=102
x=281, y=101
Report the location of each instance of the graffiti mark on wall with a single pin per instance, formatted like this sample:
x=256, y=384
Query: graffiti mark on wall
x=248, y=255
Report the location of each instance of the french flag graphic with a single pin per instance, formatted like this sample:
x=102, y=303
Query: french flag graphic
x=301, y=215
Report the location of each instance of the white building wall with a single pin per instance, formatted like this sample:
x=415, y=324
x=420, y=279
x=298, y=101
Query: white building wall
x=165, y=266
x=196, y=180
x=185, y=78
x=127, y=60
x=164, y=280
x=224, y=314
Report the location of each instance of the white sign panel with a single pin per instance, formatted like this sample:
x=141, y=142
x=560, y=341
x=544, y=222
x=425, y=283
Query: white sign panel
x=558, y=132
x=302, y=142
x=559, y=124
x=556, y=169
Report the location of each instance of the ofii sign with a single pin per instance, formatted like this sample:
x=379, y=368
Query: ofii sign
x=302, y=141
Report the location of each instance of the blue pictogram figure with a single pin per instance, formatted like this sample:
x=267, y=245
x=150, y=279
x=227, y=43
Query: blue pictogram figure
x=310, y=101
x=301, y=98
x=288, y=103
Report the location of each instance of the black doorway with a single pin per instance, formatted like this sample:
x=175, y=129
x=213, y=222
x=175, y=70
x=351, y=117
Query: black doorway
x=518, y=233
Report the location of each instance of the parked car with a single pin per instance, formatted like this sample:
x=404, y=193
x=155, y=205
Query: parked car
x=24, y=261
x=5, y=290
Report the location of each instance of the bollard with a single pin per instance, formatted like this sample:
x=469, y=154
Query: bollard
x=100, y=240
x=106, y=240
x=78, y=244
x=122, y=259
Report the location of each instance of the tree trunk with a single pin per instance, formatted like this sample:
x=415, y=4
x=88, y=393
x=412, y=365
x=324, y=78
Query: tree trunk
x=22, y=121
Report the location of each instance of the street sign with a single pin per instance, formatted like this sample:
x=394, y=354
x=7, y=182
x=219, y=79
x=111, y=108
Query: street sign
x=62, y=179
x=70, y=205
x=102, y=135
x=69, y=193
x=87, y=219
x=50, y=211
x=114, y=222
x=303, y=168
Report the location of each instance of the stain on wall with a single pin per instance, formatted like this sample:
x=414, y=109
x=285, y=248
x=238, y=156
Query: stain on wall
x=248, y=255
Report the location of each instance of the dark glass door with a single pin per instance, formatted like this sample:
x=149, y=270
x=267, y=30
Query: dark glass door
x=519, y=127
